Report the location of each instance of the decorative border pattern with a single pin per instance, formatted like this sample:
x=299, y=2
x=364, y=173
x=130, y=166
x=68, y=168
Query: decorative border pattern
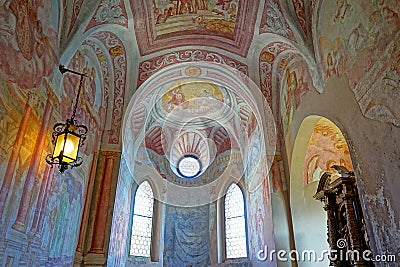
x=301, y=14
x=273, y=20
x=104, y=69
x=118, y=55
x=267, y=59
x=151, y=66
x=75, y=13
x=109, y=12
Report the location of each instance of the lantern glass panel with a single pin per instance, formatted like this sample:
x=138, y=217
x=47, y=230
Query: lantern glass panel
x=70, y=145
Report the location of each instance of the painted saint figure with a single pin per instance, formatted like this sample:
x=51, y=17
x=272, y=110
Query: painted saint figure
x=177, y=99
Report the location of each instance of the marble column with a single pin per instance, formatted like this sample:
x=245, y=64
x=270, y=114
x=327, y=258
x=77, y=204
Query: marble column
x=12, y=162
x=23, y=210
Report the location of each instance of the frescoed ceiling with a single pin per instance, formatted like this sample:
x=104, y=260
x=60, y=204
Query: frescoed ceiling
x=225, y=24
x=272, y=41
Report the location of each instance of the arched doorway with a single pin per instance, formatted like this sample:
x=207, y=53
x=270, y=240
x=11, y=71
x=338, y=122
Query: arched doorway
x=319, y=145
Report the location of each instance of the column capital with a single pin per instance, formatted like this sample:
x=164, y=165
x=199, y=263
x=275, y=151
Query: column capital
x=33, y=99
x=110, y=154
x=50, y=94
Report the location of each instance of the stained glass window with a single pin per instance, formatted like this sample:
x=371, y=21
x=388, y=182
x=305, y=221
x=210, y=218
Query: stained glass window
x=142, y=221
x=235, y=225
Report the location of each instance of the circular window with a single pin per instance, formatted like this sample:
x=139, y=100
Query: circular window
x=189, y=166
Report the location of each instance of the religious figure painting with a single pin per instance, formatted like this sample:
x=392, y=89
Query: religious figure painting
x=193, y=98
x=213, y=16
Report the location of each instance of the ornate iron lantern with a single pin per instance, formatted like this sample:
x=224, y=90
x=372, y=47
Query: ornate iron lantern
x=69, y=136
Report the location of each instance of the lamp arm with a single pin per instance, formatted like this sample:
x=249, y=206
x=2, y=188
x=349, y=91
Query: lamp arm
x=63, y=70
x=77, y=99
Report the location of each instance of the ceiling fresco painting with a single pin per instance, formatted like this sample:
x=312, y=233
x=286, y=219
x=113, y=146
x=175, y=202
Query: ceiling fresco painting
x=226, y=24
x=193, y=101
x=361, y=43
x=214, y=17
x=109, y=12
x=105, y=69
x=273, y=20
x=268, y=61
x=192, y=97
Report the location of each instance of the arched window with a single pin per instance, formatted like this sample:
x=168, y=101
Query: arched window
x=142, y=221
x=235, y=223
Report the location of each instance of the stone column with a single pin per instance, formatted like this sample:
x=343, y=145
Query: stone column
x=20, y=221
x=12, y=162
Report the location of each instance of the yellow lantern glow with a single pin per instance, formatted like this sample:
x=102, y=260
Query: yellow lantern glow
x=66, y=149
x=68, y=137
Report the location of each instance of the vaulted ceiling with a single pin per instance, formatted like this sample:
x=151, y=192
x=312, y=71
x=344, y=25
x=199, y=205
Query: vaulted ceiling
x=128, y=41
x=287, y=47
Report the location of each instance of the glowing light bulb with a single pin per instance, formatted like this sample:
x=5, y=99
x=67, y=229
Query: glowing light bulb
x=69, y=147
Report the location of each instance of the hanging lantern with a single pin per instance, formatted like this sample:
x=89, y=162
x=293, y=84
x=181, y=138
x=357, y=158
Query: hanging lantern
x=68, y=137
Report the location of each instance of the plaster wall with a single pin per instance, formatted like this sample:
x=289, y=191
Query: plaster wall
x=376, y=163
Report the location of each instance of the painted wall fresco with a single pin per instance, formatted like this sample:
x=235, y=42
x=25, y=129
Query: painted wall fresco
x=37, y=205
x=257, y=220
x=65, y=208
x=327, y=147
x=117, y=252
x=362, y=44
x=186, y=236
x=296, y=84
x=225, y=23
x=29, y=35
x=40, y=209
x=280, y=65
